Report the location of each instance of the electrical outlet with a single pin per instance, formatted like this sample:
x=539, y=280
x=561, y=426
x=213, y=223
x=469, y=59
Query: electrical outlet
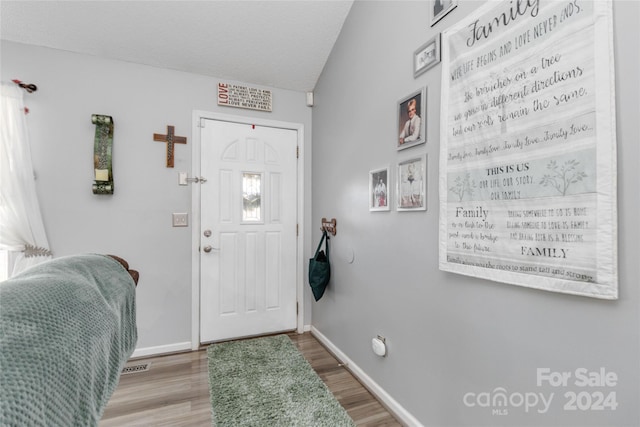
x=180, y=219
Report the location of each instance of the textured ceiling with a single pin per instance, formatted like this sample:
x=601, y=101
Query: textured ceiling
x=282, y=44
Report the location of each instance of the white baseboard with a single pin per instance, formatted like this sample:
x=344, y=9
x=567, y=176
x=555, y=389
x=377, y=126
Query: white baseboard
x=389, y=402
x=306, y=328
x=161, y=349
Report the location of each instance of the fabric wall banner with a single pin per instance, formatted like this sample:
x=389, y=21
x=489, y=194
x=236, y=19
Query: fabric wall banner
x=102, y=150
x=528, y=146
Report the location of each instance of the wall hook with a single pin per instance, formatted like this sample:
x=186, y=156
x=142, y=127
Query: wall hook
x=26, y=86
x=329, y=226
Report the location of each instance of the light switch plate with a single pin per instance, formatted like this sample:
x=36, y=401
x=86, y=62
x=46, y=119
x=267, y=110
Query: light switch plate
x=180, y=219
x=182, y=178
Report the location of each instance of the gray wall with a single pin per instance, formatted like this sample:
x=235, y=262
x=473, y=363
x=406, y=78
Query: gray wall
x=450, y=334
x=135, y=222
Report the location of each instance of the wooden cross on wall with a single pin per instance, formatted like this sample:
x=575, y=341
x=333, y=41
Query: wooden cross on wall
x=170, y=138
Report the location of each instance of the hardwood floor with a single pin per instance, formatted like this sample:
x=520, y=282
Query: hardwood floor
x=175, y=390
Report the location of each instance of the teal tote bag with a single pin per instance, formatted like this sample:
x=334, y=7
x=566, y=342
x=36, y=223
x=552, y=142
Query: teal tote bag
x=320, y=269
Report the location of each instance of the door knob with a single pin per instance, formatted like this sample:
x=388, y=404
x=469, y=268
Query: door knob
x=207, y=249
x=184, y=180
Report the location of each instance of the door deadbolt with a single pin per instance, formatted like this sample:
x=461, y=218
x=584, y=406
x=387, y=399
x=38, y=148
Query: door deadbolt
x=207, y=233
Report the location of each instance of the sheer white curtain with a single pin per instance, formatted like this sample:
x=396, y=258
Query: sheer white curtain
x=21, y=226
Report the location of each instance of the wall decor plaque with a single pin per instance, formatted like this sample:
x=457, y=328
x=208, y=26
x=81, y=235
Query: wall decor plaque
x=528, y=147
x=251, y=98
x=102, y=154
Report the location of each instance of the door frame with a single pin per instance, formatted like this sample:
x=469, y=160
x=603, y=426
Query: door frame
x=198, y=115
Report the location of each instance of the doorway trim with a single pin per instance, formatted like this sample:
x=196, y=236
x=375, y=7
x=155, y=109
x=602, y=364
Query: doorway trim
x=198, y=115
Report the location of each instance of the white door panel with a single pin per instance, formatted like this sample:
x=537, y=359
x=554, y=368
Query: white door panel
x=248, y=278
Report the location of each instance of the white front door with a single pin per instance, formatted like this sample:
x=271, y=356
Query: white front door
x=248, y=230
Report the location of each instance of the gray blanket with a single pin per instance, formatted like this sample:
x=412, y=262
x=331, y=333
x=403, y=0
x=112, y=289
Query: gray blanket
x=67, y=327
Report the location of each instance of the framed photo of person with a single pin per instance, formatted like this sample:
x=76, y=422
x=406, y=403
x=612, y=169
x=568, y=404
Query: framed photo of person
x=411, y=120
x=438, y=9
x=412, y=184
x=426, y=56
x=379, y=189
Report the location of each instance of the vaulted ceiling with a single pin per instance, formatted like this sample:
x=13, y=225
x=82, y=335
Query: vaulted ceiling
x=282, y=44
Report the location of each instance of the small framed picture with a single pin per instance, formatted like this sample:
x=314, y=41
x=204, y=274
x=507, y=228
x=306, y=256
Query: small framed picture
x=426, y=56
x=412, y=184
x=440, y=8
x=412, y=120
x=379, y=189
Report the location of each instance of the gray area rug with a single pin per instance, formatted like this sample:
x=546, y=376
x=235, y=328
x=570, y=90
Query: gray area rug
x=268, y=382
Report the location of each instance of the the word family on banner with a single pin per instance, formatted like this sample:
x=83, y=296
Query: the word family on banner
x=238, y=96
x=528, y=146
